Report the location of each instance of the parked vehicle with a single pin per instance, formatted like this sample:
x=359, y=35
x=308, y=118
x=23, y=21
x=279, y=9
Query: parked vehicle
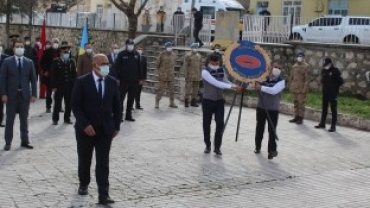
x=334, y=29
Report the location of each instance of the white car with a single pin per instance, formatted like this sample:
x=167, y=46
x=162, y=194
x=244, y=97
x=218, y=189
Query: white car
x=334, y=29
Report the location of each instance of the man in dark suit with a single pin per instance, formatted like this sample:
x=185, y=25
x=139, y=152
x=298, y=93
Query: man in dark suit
x=144, y=69
x=112, y=56
x=2, y=58
x=17, y=74
x=198, y=25
x=9, y=51
x=97, y=108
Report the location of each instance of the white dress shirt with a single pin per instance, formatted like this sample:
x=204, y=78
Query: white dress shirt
x=96, y=79
x=17, y=60
x=225, y=84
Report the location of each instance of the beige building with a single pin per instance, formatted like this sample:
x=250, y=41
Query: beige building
x=311, y=8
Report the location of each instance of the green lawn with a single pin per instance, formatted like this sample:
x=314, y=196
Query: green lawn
x=346, y=104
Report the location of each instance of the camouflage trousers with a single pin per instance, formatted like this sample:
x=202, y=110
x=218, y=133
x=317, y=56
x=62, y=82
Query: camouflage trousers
x=162, y=85
x=299, y=104
x=191, y=89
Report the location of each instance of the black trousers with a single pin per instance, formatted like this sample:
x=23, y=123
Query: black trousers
x=128, y=89
x=1, y=112
x=260, y=128
x=49, y=92
x=211, y=108
x=333, y=100
x=196, y=35
x=85, y=149
x=13, y=106
x=138, y=96
x=66, y=93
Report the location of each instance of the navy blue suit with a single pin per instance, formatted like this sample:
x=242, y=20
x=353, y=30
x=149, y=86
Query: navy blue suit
x=104, y=115
x=2, y=57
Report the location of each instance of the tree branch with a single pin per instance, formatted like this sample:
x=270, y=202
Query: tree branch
x=141, y=8
x=122, y=6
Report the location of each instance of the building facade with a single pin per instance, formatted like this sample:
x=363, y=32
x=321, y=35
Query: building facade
x=311, y=8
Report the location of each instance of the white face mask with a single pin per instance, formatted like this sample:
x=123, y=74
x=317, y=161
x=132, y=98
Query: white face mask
x=217, y=50
x=104, y=70
x=47, y=46
x=169, y=49
x=116, y=51
x=140, y=51
x=19, y=51
x=89, y=51
x=38, y=43
x=300, y=59
x=55, y=45
x=328, y=66
x=65, y=56
x=130, y=47
x=27, y=43
x=276, y=72
x=213, y=67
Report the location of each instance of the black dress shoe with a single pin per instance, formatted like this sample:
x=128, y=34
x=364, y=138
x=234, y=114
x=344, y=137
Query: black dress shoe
x=207, y=150
x=139, y=108
x=48, y=110
x=83, y=190
x=7, y=147
x=257, y=151
x=130, y=119
x=218, y=152
x=332, y=129
x=105, y=200
x=55, y=123
x=68, y=122
x=2, y=125
x=272, y=155
x=28, y=146
x=320, y=126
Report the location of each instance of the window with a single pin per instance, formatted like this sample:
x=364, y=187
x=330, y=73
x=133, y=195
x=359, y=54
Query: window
x=207, y=10
x=338, y=7
x=293, y=8
x=323, y=22
x=262, y=5
x=359, y=21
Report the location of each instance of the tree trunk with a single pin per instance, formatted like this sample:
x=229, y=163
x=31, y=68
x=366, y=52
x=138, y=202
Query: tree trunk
x=7, y=24
x=132, y=25
x=30, y=18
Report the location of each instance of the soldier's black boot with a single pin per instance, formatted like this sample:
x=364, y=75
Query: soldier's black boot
x=295, y=119
x=186, y=103
x=194, y=103
x=299, y=121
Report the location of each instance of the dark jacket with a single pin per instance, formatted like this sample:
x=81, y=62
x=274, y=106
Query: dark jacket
x=2, y=58
x=63, y=74
x=331, y=80
x=127, y=67
x=104, y=114
x=84, y=64
x=47, y=59
x=144, y=67
x=10, y=79
x=198, y=19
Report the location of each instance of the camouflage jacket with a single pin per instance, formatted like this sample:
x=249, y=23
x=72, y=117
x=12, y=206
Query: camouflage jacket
x=300, y=77
x=166, y=66
x=192, y=66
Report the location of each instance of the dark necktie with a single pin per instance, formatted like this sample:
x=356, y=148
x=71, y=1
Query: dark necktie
x=100, y=87
x=20, y=72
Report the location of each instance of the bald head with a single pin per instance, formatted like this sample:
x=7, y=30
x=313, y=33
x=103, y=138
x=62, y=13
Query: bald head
x=99, y=60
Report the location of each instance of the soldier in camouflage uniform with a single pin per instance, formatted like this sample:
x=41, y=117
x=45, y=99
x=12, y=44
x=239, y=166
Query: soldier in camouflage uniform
x=299, y=79
x=166, y=67
x=192, y=68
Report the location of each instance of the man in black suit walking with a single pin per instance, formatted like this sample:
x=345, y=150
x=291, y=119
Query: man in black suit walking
x=97, y=108
x=18, y=88
x=2, y=58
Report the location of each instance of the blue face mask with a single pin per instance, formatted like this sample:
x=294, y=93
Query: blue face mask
x=104, y=70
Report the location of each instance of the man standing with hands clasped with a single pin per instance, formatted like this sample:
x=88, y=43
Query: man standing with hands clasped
x=18, y=89
x=331, y=80
x=96, y=106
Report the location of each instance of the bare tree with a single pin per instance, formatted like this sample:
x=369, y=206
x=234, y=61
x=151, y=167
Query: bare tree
x=129, y=9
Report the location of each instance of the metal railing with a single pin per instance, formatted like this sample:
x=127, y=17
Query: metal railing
x=327, y=29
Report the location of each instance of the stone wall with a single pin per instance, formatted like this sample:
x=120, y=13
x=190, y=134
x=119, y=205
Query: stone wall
x=352, y=60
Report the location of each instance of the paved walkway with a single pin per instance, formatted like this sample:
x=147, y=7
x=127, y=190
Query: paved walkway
x=158, y=161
